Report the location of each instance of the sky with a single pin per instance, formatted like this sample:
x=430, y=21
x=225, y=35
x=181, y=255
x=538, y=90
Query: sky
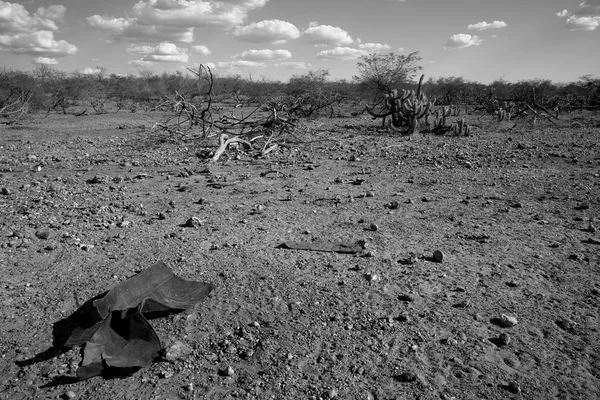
x=480, y=40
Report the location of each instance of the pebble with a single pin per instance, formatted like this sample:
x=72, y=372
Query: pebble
x=177, y=350
x=332, y=393
x=370, y=194
x=508, y=320
x=438, y=256
x=162, y=216
x=6, y=191
x=70, y=395
x=372, y=277
x=193, y=222
x=44, y=235
x=373, y=227
x=393, y=205
x=406, y=377
x=504, y=339
x=514, y=387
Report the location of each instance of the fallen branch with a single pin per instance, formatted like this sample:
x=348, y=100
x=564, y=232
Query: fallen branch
x=225, y=141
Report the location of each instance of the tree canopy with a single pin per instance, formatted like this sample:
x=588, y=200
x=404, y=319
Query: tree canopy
x=381, y=73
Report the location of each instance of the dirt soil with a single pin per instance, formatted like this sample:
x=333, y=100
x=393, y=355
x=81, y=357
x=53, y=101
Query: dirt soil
x=509, y=309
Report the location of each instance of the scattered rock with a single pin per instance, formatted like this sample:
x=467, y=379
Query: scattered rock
x=177, y=350
x=513, y=387
x=162, y=216
x=332, y=393
x=44, y=235
x=438, y=256
x=193, y=222
x=582, y=206
x=6, y=191
x=393, y=205
x=406, y=377
x=507, y=321
x=373, y=227
x=504, y=339
x=227, y=371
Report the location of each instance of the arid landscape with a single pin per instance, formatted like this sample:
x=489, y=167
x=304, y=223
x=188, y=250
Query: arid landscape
x=479, y=277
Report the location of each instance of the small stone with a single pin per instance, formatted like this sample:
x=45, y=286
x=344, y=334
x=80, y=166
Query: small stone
x=508, y=320
x=504, y=339
x=513, y=387
x=177, y=350
x=372, y=277
x=6, y=191
x=162, y=216
x=227, y=371
x=438, y=256
x=406, y=377
x=393, y=205
x=583, y=206
x=70, y=395
x=406, y=297
x=193, y=222
x=373, y=227
x=370, y=194
x=332, y=393
x=44, y=235
x=591, y=228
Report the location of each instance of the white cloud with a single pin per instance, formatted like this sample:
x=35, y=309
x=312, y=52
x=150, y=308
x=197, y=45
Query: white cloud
x=342, y=53
x=174, y=20
x=293, y=65
x=374, y=47
x=39, y=43
x=462, y=40
x=264, y=55
x=164, y=52
x=269, y=31
x=44, y=60
x=326, y=35
x=202, y=49
x=585, y=23
x=586, y=18
x=25, y=33
x=90, y=71
x=480, y=26
x=140, y=63
x=235, y=67
x=14, y=18
x=128, y=29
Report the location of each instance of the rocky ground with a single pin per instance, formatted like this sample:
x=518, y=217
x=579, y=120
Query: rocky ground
x=507, y=308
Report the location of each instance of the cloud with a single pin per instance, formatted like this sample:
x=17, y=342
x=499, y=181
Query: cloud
x=25, y=33
x=128, y=29
x=140, y=63
x=174, y=20
x=575, y=23
x=586, y=18
x=269, y=31
x=461, y=41
x=326, y=35
x=342, y=53
x=90, y=71
x=374, y=47
x=234, y=67
x=293, y=65
x=480, y=26
x=39, y=43
x=264, y=55
x=14, y=18
x=202, y=49
x=44, y=60
x=164, y=52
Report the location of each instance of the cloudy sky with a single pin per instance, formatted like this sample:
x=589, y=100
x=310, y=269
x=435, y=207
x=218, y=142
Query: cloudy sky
x=480, y=40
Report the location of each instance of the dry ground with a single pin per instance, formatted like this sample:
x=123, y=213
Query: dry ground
x=86, y=205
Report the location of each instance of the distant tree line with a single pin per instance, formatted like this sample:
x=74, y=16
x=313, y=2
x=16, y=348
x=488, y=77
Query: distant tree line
x=51, y=90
